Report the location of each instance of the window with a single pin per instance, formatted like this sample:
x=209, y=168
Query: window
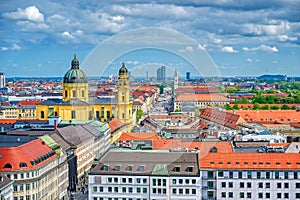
x=230, y=184
x=109, y=180
x=193, y=181
x=260, y=195
x=249, y=174
x=187, y=191
x=242, y=184
x=242, y=195
x=267, y=195
x=223, y=194
x=144, y=180
x=141, y=168
x=66, y=93
x=74, y=93
x=115, y=180
x=42, y=114
x=268, y=185
x=95, y=189
x=176, y=169
x=249, y=195
x=100, y=189
x=286, y=185
x=27, y=186
x=124, y=189
x=278, y=195
x=286, y=175
x=153, y=190
x=82, y=93
x=268, y=175
x=240, y=174
x=174, y=191
x=260, y=185
x=297, y=185
x=123, y=180
x=193, y=191
x=286, y=195
x=223, y=184
x=249, y=185
x=109, y=189
x=277, y=175
x=220, y=174
x=297, y=195
x=230, y=194
x=278, y=185
x=116, y=189
x=130, y=180
x=8, y=165
x=180, y=191
x=144, y=190
x=73, y=113
x=258, y=174
x=187, y=181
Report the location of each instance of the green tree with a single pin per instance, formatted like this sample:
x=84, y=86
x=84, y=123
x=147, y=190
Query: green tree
x=242, y=101
x=293, y=108
x=256, y=106
x=236, y=107
x=139, y=114
x=270, y=99
x=265, y=107
x=285, y=107
x=275, y=107
x=259, y=99
x=227, y=107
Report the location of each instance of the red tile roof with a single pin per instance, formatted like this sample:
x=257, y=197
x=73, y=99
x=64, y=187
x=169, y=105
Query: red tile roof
x=139, y=136
x=29, y=102
x=281, y=116
x=25, y=153
x=201, y=97
x=221, y=117
x=273, y=161
x=115, y=124
x=8, y=121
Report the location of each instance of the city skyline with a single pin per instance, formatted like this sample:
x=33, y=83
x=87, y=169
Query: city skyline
x=241, y=37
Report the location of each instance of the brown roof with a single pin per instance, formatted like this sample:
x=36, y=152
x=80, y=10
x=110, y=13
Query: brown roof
x=221, y=117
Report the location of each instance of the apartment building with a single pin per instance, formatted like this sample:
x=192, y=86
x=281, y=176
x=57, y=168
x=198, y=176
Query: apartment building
x=207, y=175
x=6, y=188
x=143, y=175
x=33, y=166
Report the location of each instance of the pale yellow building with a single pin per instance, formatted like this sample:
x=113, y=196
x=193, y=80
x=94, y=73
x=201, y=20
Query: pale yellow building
x=76, y=104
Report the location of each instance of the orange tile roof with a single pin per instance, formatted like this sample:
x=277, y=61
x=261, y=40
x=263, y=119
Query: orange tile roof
x=147, y=87
x=201, y=97
x=271, y=161
x=25, y=153
x=8, y=121
x=114, y=124
x=139, y=136
x=283, y=116
x=279, y=144
x=29, y=102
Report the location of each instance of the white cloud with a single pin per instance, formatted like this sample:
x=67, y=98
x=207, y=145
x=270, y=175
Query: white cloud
x=214, y=39
x=262, y=47
x=30, y=13
x=14, y=47
x=229, y=49
x=249, y=60
x=186, y=49
x=274, y=28
x=284, y=38
x=201, y=47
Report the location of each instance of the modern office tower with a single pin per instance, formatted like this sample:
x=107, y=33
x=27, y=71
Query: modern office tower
x=161, y=73
x=147, y=76
x=188, y=76
x=175, y=80
x=2, y=80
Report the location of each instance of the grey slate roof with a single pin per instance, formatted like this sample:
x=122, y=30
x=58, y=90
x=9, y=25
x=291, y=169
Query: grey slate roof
x=103, y=100
x=158, y=163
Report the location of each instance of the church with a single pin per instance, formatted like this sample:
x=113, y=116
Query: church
x=76, y=104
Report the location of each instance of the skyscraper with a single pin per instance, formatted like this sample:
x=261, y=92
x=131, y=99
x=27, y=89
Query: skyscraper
x=2, y=80
x=188, y=76
x=161, y=73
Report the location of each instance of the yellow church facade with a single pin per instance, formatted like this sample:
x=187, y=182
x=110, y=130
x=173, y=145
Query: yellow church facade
x=76, y=104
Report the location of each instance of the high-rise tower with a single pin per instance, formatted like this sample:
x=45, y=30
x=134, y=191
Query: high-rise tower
x=175, y=80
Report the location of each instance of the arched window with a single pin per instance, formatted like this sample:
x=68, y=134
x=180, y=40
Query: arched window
x=42, y=114
x=7, y=166
x=66, y=93
x=23, y=165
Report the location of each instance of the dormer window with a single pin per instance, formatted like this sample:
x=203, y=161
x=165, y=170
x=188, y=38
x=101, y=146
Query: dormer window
x=176, y=168
x=105, y=167
x=23, y=165
x=117, y=167
x=8, y=166
x=189, y=169
x=141, y=168
x=129, y=168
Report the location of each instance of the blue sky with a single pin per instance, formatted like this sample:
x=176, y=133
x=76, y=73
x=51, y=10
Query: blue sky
x=242, y=37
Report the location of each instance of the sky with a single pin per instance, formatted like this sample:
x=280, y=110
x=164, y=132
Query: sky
x=241, y=37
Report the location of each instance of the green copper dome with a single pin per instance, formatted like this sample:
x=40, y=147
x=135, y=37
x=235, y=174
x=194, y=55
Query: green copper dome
x=75, y=75
x=123, y=69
